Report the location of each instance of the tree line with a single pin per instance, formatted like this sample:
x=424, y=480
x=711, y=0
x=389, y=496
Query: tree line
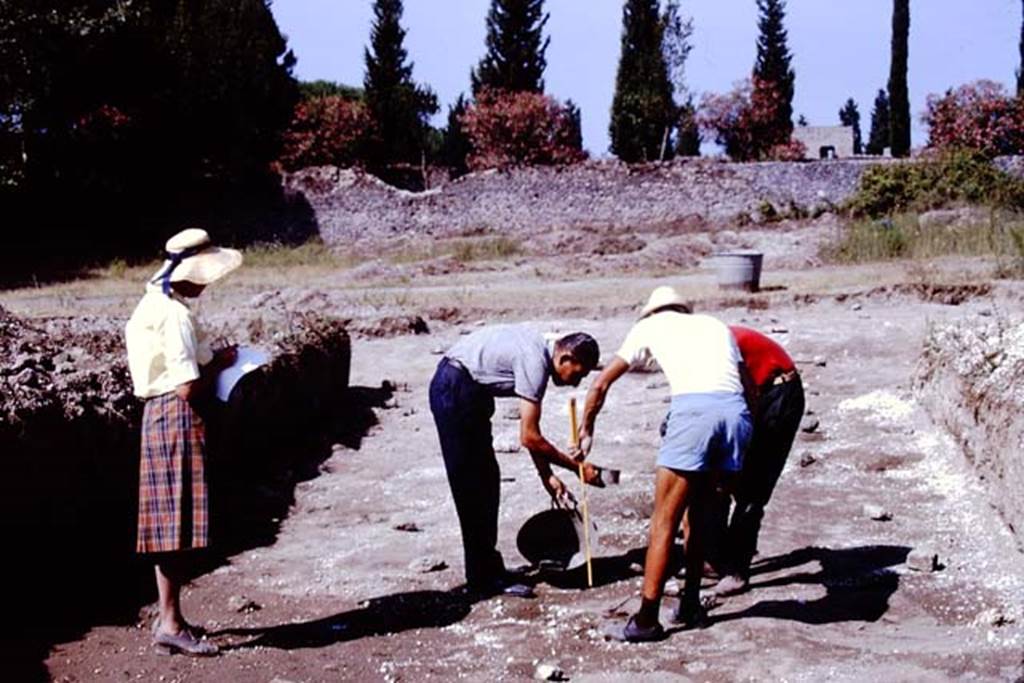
x=132, y=114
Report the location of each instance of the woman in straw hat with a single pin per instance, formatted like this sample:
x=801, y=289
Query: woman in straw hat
x=173, y=369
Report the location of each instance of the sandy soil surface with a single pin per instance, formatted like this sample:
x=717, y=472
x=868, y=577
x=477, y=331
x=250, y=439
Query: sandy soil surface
x=342, y=593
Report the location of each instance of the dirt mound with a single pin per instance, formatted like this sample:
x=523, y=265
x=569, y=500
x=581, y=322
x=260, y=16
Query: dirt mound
x=69, y=436
x=969, y=378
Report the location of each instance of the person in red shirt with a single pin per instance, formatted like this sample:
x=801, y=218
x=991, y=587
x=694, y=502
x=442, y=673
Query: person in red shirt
x=777, y=404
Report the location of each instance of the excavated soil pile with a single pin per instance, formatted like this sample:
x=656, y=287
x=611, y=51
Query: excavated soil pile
x=969, y=378
x=69, y=434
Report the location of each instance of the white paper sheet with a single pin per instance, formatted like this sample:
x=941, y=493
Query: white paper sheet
x=249, y=358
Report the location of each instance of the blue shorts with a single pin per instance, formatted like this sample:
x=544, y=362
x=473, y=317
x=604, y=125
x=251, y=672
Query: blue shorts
x=705, y=432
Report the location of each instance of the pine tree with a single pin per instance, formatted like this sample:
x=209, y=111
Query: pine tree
x=643, y=110
x=515, y=48
x=772, y=68
x=878, y=138
x=399, y=108
x=899, y=97
x=456, y=146
x=849, y=115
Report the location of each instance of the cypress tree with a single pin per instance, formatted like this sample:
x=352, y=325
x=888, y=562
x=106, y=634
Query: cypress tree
x=772, y=67
x=398, y=106
x=575, y=125
x=643, y=110
x=849, y=115
x=456, y=146
x=515, y=48
x=878, y=138
x=1020, y=69
x=899, y=97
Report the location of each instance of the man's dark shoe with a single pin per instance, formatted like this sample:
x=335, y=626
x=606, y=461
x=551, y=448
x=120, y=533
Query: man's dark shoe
x=501, y=586
x=690, y=616
x=632, y=632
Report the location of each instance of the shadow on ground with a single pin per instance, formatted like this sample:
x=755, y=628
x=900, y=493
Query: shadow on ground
x=857, y=581
x=381, y=616
x=71, y=573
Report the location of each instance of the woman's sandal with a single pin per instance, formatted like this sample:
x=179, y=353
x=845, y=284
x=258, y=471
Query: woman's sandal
x=185, y=642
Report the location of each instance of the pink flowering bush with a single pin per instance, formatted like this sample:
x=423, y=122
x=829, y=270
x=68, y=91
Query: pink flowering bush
x=329, y=130
x=520, y=128
x=979, y=116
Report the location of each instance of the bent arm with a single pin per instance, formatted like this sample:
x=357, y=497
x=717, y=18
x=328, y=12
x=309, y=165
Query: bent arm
x=203, y=386
x=598, y=391
x=544, y=453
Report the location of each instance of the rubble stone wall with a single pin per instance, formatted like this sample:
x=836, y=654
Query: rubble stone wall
x=351, y=205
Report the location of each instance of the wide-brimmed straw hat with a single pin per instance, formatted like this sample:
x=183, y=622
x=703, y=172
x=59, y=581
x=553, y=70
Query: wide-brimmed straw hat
x=192, y=257
x=660, y=298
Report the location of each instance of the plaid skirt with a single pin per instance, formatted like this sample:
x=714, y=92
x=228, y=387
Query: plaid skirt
x=173, y=512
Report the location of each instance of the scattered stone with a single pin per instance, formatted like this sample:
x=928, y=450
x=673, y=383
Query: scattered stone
x=876, y=512
x=243, y=605
x=923, y=560
x=391, y=403
x=806, y=460
x=636, y=568
x=820, y=361
x=549, y=672
x=408, y=412
x=437, y=351
x=407, y=526
x=427, y=565
x=780, y=330
x=506, y=445
x=809, y=411
x=511, y=413
x=856, y=307
x=993, y=617
x=810, y=424
x=672, y=588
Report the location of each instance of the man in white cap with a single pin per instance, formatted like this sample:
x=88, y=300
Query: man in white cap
x=704, y=434
x=173, y=369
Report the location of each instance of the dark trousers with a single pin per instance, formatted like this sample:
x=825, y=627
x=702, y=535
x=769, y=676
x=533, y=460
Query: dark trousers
x=780, y=409
x=462, y=412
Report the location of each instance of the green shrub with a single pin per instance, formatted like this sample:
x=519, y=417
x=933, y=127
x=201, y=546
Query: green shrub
x=957, y=177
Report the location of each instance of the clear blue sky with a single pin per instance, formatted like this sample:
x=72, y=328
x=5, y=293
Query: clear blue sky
x=840, y=48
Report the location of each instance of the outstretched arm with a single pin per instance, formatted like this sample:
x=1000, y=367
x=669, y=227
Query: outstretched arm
x=545, y=454
x=595, y=399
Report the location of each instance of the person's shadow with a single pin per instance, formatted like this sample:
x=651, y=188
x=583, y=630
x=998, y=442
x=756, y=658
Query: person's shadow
x=857, y=581
x=380, y=616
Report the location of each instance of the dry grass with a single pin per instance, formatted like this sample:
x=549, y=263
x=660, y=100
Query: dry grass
x=904, y=237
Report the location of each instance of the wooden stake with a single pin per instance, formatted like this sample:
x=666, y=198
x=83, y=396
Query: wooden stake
x=574, y=439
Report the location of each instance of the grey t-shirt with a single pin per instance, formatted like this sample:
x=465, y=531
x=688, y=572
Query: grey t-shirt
x=510, y=360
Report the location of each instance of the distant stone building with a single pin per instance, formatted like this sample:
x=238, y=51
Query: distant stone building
x=826, y=142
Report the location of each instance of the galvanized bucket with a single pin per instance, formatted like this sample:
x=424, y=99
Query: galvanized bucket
x=740, y=269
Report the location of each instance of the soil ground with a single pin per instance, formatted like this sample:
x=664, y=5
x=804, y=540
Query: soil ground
x=341, y=595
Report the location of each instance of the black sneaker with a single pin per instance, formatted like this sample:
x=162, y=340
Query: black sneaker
x=691, y=616
x=632, y=632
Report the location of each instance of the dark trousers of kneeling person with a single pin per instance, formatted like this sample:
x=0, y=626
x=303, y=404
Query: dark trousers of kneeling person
x=779, y=412
x=462, y=411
